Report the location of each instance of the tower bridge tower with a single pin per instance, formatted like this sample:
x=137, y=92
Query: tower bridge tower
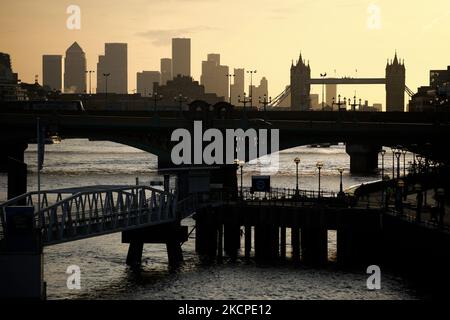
x=300, y=85
x=395, y=85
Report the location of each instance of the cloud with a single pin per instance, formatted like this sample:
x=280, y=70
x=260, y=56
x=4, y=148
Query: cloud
x=163, y=37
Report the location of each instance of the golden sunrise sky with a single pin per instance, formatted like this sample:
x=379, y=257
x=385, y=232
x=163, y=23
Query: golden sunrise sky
x=255, y=34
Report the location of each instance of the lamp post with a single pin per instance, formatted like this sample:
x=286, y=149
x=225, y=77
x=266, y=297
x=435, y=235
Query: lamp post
x=251, y=72
x=180, y=99
x=398, y=154
x=265, y=102
x=106, y=75
x=339, y=103
x=354, y=104
x=155, y=97
x=419, y=199
x=297, y=162
x=323, y=75
x=404, y=161
x=244, y=101
x=398, y=198
x=382, y=152
x=241, y=165
x=440, y=195
x=341, y=189
x=229, y=76
x=319, y=166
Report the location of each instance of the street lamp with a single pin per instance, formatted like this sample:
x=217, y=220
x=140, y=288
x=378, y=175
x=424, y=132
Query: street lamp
x=440, y=195
x=404, y=161
x=265, y=102
x=398, y=154
x=251, y=72
x=323, y=75
x=319, y=166
x=240, y=164
x=341, y=190
x=297, y=162
x=419, y=198
x=155, y=97
x=244, y=101
x=382, y=152
x=106, y=75
x=180, y=99
x=229, y=76
x=399, y=201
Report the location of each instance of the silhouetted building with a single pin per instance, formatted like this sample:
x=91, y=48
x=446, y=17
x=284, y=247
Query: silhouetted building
x=258, y=92
x=300, y=85
x=315, y=105
x=145, y=82
x=188, y=88
x=9, y=87
x=440, y=78
x=52, y=71
x=181, y=57
x=166, y=70
x=330, y=92
x=238, y=87
x=214, y=76
x=395, y=85
x=75, y=70
x=114, y=63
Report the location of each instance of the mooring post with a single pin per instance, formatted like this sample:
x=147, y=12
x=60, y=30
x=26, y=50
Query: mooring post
x=248, y=241
x=283, y=242
x=220, y=243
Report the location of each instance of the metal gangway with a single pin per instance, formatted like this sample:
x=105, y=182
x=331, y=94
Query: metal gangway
x=71, y=214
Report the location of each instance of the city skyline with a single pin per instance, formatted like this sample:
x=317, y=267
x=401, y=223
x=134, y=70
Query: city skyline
x=281, y=39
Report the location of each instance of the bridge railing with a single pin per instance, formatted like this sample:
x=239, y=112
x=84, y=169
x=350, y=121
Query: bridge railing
x=284, y=194
x=98, y=211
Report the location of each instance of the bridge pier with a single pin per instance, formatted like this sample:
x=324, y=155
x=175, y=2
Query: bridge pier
x=206, y=233
x=171, y=234
x=314, y=239
x=12, y=162
x=359, y=238
x=21, y=257
x=363, y=158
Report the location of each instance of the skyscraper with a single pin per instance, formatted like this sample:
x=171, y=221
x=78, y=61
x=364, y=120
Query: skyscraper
x=166, y=70
x=214, y=76
x=114, y=63
x=75, y=70
x=181, y=57
x=52, y=71
x=331, y=92
x=145, y=82
x=238, y=87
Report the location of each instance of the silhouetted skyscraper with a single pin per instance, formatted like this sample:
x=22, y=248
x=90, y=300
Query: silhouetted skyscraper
x=331, y=92
x=75, y=70
x=395, y=85
x=238, y=87
x=114, y=62
x=214, y=76
x=300, y=85
x=52, y=71
x=145, y=82
x=181, y=57
x=166, y=70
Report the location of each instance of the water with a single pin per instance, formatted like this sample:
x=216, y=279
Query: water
x=104, y=274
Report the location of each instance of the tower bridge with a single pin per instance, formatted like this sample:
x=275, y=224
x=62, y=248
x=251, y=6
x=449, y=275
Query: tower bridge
x=394, y=81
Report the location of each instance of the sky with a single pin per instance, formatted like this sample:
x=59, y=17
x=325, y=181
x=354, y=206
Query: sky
x=339, y=37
